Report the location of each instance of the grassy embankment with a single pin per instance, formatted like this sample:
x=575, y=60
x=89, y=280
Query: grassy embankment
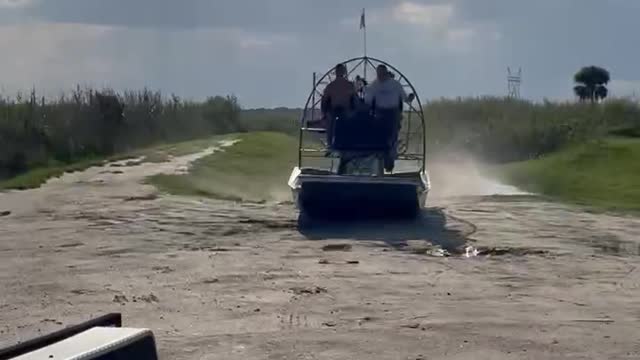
x=255, y=168
x=38, y=176
x=601, y=173
x=577, y=152
x=41, y=139
x=604, y=174
x=576, y=159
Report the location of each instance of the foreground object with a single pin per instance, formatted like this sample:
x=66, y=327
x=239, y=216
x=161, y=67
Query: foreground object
x=99, y=339
x=372, y=163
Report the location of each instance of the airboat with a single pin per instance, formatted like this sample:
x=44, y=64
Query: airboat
x=344, y=173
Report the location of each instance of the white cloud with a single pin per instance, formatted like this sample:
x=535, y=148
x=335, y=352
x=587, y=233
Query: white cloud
x=623, y=88
x=55, y=57
x=435, y=24
x=461, y=34
x=432, y=16
x=460, y=38
x=260, y=41
x=252, y=42
x=14, y=4
x=51, y=55
x=406, y=13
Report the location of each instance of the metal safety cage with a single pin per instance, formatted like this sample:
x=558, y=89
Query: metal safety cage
x=411, y=139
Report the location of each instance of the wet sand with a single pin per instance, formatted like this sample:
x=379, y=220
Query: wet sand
x=487, y=273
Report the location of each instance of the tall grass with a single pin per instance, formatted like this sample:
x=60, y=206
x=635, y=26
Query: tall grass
x=86, y=123
x=283, y=120
x=503, y=130
x=81, y=125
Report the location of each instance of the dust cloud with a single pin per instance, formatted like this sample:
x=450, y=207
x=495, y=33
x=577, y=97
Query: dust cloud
x=458, y=174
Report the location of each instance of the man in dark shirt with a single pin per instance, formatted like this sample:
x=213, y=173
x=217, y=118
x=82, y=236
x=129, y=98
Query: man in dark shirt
x=338, y=99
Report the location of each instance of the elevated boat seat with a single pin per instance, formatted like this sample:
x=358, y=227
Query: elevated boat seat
x=364, y=131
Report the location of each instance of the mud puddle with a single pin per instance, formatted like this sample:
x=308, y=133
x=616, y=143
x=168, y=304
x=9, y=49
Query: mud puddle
x=469, y=251
x=613, y=245
x=436, y=233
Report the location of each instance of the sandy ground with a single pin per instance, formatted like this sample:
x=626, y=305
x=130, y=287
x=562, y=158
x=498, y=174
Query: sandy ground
x=480, y=276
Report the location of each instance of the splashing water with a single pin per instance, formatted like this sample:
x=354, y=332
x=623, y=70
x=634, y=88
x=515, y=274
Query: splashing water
x=471, y=251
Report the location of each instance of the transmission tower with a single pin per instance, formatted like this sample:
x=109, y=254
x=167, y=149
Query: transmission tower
x=514, y=80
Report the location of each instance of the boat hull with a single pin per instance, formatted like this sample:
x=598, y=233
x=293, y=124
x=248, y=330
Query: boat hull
x=334, y=196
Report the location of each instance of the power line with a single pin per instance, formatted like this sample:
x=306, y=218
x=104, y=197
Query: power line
x=514, y=80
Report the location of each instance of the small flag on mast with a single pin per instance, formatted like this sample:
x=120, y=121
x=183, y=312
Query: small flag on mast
x=362, y=22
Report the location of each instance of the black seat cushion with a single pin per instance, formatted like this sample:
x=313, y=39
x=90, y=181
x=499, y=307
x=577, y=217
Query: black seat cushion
x=364, y=131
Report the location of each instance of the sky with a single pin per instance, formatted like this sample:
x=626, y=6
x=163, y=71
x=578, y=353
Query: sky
x=264, y=51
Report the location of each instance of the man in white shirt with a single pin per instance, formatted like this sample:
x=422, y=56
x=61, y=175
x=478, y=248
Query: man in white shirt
x=385, y=96
x=386, y=92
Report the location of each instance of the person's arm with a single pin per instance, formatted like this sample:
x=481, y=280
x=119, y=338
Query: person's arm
x=406, y=98
x=326, y=99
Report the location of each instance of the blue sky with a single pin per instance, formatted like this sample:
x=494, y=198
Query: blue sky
x=264, y=51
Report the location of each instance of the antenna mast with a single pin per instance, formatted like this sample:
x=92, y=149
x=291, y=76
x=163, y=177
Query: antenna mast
x=363, y=26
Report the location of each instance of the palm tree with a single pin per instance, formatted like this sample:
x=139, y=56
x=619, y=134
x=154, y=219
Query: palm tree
x=601, y=92
x=592, y=81
x=581, y=92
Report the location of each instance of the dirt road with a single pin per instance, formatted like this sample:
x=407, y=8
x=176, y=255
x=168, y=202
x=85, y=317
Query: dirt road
x=478, y=277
